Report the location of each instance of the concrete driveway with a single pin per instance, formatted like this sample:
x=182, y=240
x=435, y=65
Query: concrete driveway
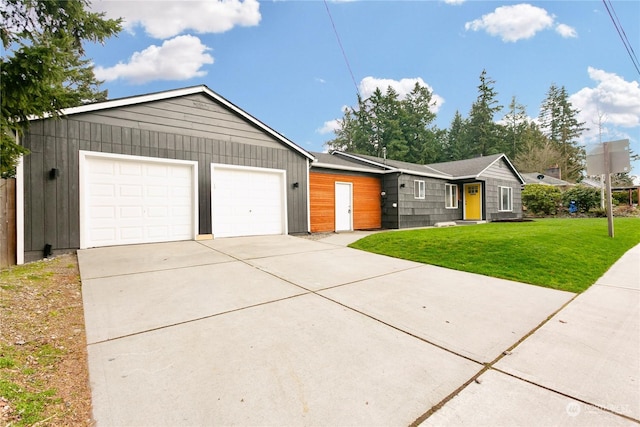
x=282, y=330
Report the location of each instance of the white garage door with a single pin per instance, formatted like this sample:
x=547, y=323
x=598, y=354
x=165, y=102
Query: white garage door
x=248, y=201
x=131, y=199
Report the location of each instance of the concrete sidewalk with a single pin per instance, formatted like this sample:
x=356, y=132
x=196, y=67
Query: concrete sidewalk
x=280, y=330
x=582, y=367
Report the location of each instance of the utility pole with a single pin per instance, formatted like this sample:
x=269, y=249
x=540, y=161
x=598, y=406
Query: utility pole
x=607, y=175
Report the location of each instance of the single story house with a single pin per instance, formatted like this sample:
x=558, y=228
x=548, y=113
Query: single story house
x=175, y=165
x=412, y=195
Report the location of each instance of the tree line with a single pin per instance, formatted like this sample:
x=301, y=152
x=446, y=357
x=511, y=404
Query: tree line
x=404, y=129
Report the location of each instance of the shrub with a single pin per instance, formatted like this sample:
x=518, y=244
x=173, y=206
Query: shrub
x=539, y=198
x=622, y=197
x=585, y=197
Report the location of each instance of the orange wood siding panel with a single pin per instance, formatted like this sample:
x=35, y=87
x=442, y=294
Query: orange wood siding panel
x=367, y=212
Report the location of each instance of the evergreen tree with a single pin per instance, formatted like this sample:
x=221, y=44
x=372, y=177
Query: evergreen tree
x=515, y=126
x=482, y=132
x=422, y=139
x=42, y=68
x=558, y=121
x=385, y=123
x=456, y=147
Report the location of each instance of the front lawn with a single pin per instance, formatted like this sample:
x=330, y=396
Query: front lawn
x=567, y=254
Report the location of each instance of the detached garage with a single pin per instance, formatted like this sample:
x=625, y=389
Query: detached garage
x=344, y=195
x=176, y=165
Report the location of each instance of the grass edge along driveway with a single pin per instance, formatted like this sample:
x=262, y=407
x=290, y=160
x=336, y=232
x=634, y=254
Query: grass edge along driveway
x=569, y=254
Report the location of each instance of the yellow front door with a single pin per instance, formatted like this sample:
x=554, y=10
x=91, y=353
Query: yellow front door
x=472, y=201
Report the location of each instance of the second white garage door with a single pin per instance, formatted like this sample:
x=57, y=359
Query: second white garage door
x=248, y=201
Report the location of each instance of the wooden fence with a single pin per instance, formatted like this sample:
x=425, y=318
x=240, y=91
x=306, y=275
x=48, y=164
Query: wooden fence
x=7, y=222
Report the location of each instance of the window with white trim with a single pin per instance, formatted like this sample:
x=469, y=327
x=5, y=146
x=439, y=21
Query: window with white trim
x=451, y=196
x=418, y=189
x=506, y=199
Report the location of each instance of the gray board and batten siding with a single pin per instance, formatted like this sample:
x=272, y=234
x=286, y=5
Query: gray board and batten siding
x=191, y=127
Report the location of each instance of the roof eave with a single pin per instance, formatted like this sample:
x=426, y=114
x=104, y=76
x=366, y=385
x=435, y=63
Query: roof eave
x=345, y=168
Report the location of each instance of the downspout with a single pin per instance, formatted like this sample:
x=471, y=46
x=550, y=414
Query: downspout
x=19, y=208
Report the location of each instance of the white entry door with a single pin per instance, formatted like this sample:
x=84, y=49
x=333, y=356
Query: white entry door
x=130, y=199
x=343, y=206
x=247, y=201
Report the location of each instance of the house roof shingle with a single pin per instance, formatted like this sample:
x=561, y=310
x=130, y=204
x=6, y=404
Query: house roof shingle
x=326, y=160
x=398, y=165
x=532, y=178
x=459, y=169
x=468, y=167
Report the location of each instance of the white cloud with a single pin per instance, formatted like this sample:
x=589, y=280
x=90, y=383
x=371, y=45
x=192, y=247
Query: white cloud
x=513, y=23
x=617, y=98
x=329, y=127
x=566, y=31
x=614, y=99
x=180, y=58
x=454, y=2
x=403, y=87
x=165, y=19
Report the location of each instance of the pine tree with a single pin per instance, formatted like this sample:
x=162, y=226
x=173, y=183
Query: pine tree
x=515, y=124
x=482, y=133
x=558, y=121
x=384, y=124
x=43, y=69
x=456, y=147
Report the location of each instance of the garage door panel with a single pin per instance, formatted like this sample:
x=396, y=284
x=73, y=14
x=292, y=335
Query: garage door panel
x=247, y=201
x=129, y=199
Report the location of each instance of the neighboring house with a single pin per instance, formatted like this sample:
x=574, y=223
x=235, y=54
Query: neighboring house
x=480, y=189
x=175, y=165
x=538, y=178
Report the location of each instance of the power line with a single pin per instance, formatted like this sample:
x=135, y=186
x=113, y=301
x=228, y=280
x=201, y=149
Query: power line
x=344, y=54
x=622, y=34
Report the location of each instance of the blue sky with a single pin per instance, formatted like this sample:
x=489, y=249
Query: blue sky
x=280, y=61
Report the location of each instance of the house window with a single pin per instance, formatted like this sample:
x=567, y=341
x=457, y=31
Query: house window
x=506, y=199
x=418, y=189
x=451, y=196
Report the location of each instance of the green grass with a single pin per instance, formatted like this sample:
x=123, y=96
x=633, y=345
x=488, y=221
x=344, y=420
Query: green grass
x=29, y=405
x=566, y=254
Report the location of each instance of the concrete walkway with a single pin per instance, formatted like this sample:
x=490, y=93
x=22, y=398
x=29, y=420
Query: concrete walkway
x=281, y=330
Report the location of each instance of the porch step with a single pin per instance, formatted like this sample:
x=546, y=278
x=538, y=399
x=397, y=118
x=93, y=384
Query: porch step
x=445, y=224
x=470, y=222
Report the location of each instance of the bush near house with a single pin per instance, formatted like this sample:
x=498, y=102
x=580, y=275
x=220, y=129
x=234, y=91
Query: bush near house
x=585, y=197
x=541, y=199
x=622, y=197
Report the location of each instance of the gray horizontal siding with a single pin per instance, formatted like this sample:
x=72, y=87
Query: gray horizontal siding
x=492, y=199
x=52, y=206
x=425, y=212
